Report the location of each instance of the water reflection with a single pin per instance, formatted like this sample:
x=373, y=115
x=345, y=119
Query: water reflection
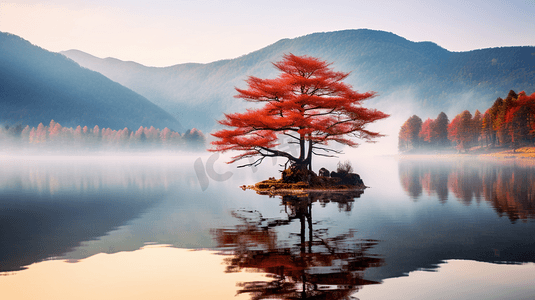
x=152, y=272
x=310, y=264
x=49, y=205
x=295, y=240
x=508, y=187
x=58, y=174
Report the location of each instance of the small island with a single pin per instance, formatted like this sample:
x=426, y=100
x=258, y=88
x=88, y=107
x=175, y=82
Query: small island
x=300, y=181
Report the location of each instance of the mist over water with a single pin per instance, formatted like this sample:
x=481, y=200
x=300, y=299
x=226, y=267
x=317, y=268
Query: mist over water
x=420, y=213
x=83, y=203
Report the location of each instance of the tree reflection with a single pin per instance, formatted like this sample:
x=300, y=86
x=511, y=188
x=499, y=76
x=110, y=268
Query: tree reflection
x=410, y=179
x=310, y=264
x=509, y=188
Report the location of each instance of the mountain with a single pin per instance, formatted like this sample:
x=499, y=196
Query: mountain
x=37, y=86
x=420, y=74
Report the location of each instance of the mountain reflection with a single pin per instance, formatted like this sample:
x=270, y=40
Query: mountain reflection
x=509, y=188
x=310, y=264
x=50, y=205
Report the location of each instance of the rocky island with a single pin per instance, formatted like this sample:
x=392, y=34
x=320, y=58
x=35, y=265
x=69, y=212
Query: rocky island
x=296, y=180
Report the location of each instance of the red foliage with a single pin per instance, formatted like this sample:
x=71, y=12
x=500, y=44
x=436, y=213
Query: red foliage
x=57, y=135
x=520, y=118
x=425, y=132
x=461, y=130
x=409, y=133
x=308, y=102
x=509, y=122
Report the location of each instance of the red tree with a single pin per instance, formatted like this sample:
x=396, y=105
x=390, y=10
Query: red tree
x=519, y=119
x=460, y=130
x=308, y=102
x=426, y=131
x=486, y=128
x=409, y=137
x=477, y=125
x=439, y=130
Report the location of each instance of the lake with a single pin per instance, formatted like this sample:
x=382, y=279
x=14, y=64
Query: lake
x=168, y=227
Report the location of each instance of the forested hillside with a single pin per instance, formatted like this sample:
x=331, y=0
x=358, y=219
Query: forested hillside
x=431, y=78
x=37, y=86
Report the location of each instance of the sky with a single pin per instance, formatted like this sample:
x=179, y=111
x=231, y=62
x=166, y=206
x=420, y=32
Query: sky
x=168, y=32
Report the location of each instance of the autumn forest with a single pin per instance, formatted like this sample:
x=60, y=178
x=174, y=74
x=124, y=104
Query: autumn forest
x=508, y=123
x=54, y=135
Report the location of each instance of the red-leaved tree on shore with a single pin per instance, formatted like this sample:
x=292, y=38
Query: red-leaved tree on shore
x=425, y=132
x=308, y=102
x=409, y=134
x=461, y=131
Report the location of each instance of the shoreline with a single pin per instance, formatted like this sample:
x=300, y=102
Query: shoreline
x=524, y=154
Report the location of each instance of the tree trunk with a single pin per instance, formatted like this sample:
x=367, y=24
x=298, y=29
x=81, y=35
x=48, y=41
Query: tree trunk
x=302, y=147
x=309, y=156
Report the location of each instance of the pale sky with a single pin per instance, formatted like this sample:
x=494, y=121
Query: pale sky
x=168, y=32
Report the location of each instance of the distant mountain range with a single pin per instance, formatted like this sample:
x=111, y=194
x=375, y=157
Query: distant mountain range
x=420, y=74
x=37, y=86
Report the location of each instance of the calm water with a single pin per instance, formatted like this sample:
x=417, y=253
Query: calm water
x=119, y=227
